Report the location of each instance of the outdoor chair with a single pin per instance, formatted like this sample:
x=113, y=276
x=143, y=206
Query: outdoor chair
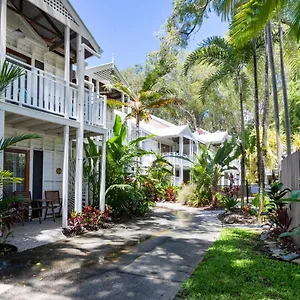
x=53, y=201
x=24, y=205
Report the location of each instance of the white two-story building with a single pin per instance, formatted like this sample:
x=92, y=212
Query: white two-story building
x=49, y=41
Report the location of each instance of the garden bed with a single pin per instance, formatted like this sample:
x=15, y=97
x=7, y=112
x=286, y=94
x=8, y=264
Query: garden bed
x=238, y=216
x=235, y=268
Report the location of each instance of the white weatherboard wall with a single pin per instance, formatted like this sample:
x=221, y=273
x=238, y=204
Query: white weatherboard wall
x=32, y=45
x=52, y=148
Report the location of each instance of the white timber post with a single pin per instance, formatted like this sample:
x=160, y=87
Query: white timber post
x=68, y=103
x=181, y=160
x=103, y=168
x=65, y=186
x=191, y=154
x=174, y=170
x=80, y=130
x=3, y=25
x=123, y=107
x=197, y=148
x=191, y=149
x=3, y=16
x=129, y=138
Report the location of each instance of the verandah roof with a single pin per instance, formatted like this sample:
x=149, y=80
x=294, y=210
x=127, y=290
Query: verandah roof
x=48, y=19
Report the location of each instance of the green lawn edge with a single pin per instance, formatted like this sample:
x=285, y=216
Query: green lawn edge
x=235, y=268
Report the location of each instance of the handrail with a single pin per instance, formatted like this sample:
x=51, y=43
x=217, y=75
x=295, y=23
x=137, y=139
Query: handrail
x=34, y=68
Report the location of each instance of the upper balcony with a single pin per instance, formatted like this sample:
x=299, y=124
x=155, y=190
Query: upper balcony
x=46, y=93
x=176, y=160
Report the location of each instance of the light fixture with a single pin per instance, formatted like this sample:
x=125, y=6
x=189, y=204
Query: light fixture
x=19, y=34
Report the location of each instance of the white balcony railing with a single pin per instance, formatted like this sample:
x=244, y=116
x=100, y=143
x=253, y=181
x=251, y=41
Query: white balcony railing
x=175, y=159
x=94, y=108
x=45, y=92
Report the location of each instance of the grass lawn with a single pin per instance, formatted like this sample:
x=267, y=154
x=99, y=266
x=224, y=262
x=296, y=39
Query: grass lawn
x=233, y=268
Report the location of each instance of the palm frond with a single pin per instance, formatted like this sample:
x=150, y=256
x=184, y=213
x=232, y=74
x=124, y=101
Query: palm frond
x=130, y=116
x=164, y=101
x=154, y=76
x=219, y=77
x=251, y=18
x=295, y=28
x=114, y=103
x=9, y=73
x=119, y=187
x=225, y=8
x=213, y=51
x=9, y=141
x=120, y=88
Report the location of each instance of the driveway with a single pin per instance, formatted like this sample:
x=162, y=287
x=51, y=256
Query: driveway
x=145, y=259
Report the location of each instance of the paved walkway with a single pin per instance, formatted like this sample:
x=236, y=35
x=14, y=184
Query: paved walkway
x=146, y=259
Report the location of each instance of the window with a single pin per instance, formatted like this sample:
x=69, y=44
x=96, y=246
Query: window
x=17, y=162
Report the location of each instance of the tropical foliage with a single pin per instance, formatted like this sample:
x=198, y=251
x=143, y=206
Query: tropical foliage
x=150, y=97
x=211, y=166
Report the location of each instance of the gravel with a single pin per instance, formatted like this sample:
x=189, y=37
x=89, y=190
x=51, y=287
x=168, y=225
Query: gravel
x=34, y=234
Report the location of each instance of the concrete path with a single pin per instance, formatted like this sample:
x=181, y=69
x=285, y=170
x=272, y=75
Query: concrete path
x=147, y=259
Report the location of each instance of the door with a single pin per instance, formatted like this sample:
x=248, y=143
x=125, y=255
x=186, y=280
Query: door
x=17, y=162
x=38, y=158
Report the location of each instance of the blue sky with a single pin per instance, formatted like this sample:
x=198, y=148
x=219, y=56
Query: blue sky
x=127, y=28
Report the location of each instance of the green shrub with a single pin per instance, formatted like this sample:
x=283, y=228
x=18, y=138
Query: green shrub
x=229, y=202
x=185, y=193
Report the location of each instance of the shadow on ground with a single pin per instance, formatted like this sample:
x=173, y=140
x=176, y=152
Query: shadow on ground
x=145, y=259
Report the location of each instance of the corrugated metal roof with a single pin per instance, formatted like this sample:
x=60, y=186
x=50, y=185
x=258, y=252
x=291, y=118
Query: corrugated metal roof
x=107, y=73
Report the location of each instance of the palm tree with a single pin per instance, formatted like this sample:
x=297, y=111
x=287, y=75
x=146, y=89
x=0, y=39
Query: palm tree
x=265, y=116
x=230, y=62
x=252, y=16
x=275, y=92
x=249, y=20
x=257, y=130
x=8, y=73
x=284, y=91
x=150, y=97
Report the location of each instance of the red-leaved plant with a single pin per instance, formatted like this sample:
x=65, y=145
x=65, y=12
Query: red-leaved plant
x=90, y=219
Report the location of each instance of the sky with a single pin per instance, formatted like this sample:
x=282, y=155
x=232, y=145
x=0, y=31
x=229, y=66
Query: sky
x=127, y=29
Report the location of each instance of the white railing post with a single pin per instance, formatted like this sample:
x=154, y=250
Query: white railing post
x=65, y=187
x=104, y=111
x=3, y=24
x=103, y=170
x=181, y=160
x=68, y=100
x=80, y=130
x=123, y=107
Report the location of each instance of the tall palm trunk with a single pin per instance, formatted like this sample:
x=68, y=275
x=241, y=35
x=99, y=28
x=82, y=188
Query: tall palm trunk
x=275, y=95
x=265, y=117
x=258, y=146
x=243, y=158
x=284, y=91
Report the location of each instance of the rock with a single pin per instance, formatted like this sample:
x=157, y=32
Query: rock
x=290, y=256
x=271, y=244
x=296, y=261
x=276, y=252
x=264, y=236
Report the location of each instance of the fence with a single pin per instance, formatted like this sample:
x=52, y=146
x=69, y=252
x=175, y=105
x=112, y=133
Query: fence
x=289, y=176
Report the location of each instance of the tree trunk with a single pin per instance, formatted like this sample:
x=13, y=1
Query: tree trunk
x=258, y=146
x=275, y=95
x=243, y=158
x=265, y=117
x=285, y=94
x=215, y=179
